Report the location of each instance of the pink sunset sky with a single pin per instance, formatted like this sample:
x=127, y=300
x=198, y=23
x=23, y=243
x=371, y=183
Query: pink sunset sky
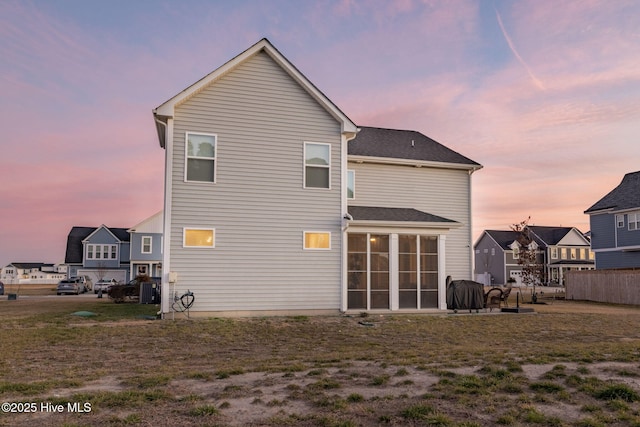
x=544, y=94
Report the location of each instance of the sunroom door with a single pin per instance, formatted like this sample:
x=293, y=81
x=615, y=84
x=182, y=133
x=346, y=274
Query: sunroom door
x=368, y=271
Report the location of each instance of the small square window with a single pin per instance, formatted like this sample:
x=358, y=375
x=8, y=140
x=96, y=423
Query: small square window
x=199, y=238
x=317, y=240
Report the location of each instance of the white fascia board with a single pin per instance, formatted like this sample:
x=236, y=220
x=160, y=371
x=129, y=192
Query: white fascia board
x=414, y=163
x=618, y=249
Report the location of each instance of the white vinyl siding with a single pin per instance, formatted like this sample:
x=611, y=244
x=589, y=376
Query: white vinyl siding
x=442, y=192
x=258, y=206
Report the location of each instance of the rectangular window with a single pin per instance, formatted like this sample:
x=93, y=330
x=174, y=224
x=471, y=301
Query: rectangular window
x=634, y=221
x=620, y=221
x=317, y=240
x=583, y=253
x=200, y=157
x=554, y=253
x=351, y=185
x=102, y=251
x=146, y=244
x=563, y=253
x=592, y=255
x=198, y=238
x=317, y=165
x=573, y=253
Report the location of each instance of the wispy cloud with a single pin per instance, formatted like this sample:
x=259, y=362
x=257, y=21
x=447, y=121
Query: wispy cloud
x=535, y=80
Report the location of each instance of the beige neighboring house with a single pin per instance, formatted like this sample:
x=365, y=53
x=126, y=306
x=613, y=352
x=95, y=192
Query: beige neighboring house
x=277, y=203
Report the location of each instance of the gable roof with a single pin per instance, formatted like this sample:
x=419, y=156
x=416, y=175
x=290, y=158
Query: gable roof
x=625, y=196
x=153, y=224
x=544, y=236
x=167, y=109
x=77, y=235
x=405, y=144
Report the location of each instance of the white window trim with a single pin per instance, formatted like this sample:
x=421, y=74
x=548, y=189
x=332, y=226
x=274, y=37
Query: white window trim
x=214, y=158
x=633, y=218
x=304, y=240
x=304, y=166
x=184, y=237
x=143, y=245
x=554, y=253
x=620, y=220
x=353, y=172
x=99, y=247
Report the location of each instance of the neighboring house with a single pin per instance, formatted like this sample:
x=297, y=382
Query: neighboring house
x=98, y=252
x=146, y=247
x=276, y=202
x=17, y=271
x=615, y=225
x=560, y=249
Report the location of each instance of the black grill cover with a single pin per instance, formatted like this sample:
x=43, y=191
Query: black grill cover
x=465, y=295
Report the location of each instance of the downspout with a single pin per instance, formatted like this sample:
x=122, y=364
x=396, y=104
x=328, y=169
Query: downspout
x=344, y=217
x=166, y=214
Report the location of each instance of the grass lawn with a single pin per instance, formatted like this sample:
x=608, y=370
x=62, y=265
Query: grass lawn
x=568, y=364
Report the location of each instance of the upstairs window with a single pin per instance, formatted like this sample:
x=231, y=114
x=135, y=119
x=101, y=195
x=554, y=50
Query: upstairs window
x=351, y=185
x=620, y=221
x=317, y=165
x=554, y=253
x=634, y=221
x=146, y=244
x=200, y=157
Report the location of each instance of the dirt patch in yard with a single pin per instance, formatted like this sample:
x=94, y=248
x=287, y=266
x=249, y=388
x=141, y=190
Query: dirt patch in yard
x=569, y=363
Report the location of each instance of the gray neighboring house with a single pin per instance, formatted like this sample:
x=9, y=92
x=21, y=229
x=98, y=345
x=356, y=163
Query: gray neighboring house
x=146, y=247
x=98, y=252
x=276, y=202
x=560, y=249
x=615, y=225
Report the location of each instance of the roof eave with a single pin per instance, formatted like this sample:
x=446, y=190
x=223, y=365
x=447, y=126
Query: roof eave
x=403, y=224
x=414, y=163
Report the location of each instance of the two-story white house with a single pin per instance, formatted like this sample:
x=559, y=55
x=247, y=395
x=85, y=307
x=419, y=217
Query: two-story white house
x=277, y=203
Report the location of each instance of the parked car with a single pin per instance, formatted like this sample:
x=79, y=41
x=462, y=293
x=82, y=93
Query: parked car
x=104, y=285
x=69, y=286
x=85, y=282
x=1, y=288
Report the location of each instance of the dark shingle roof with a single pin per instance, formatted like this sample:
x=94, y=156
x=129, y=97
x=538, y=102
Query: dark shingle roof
x=28, y=265
x=625, y=196
x=74, y=254
x=370, y=213
x=403, y=144
x=550, y=235
x=503, y=238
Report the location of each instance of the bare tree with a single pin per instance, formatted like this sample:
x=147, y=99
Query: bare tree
x=528, y=256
